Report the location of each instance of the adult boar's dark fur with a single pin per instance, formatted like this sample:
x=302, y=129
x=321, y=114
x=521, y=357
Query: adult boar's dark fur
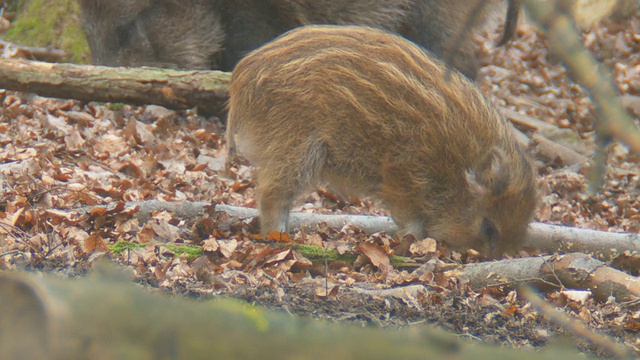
x=215, y=34
x=372, y=114
x=162, y=33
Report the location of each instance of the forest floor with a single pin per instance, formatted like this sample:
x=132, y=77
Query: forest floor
x=58, y=157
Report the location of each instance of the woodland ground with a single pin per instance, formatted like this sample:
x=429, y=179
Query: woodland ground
x=59, y=156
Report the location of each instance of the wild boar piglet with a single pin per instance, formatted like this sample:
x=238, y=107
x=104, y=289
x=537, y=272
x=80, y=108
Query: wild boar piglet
x=371, y=114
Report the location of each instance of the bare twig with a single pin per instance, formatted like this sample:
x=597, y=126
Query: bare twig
x=552, y=151
x=34, y=52
x=577, y=328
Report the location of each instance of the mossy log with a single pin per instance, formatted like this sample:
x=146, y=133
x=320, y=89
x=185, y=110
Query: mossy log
x=206, y=90
x=105, y=317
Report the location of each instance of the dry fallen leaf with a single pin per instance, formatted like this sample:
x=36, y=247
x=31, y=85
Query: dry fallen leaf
x=315, y=240
x=94, y=243
x=210, y=245
x=58, y=123
x=277, y=236
x=324, y=292
x=165, y=232
x=375, y=254
x=278, y=255
x=8, y=222
x=425, y=247
x=145, y=235
x=227, y=247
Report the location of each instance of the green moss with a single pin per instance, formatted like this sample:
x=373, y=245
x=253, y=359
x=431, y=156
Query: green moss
x=314, y=253
x=318, y=254
x=399, y=261
x=54, y=23
x=116, y=106
x=192, y=251
x=121, y=246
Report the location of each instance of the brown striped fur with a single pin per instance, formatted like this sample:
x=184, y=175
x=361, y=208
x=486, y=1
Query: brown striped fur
x=371, y=114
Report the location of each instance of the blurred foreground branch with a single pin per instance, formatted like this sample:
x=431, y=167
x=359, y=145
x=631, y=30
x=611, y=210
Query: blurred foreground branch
x=103, y=316
x=556, y=20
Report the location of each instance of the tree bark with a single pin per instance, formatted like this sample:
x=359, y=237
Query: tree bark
x=206, y=90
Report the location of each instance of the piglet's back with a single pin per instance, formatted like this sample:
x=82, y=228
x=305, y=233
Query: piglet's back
x=317, y=79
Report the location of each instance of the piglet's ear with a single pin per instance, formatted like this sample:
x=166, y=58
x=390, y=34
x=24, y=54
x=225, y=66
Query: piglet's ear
x=492, y=174
x=477, y=189
x=500, y=174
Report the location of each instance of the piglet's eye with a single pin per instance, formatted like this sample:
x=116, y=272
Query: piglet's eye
x=489, y=232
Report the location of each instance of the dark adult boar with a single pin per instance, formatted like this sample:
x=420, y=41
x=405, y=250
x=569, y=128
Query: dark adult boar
x=215, y=34
x=161, y=33
x=372, y=114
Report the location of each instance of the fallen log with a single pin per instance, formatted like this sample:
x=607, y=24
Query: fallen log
x=103, y=316
x=602, y=245
x=572, y=271
x=546, y=238
x=173, y=89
